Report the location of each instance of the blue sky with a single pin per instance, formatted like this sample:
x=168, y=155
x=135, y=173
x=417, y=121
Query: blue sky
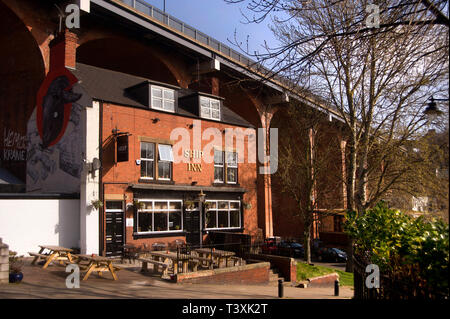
x=218, y=20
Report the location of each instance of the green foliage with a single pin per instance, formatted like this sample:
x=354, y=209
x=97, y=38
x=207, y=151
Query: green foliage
x=402, y=245
x=15, y=262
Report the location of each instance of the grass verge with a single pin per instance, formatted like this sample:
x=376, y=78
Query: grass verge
x=305, y=271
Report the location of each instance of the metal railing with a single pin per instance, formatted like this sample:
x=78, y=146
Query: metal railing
x=393, y=286
x=187, y=30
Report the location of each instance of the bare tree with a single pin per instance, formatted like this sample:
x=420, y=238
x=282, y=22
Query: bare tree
x=306, y=168
x=378, y=78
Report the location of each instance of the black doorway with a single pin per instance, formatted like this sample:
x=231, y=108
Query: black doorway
x=192, y=224
x=114, y=228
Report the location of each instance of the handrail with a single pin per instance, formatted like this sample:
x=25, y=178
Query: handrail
x=187, y=30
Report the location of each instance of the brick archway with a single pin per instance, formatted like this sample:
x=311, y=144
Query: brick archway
x=22, y=69
x=130, y=56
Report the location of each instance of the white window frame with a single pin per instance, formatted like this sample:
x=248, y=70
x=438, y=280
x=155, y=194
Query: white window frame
x=231, y=166
x=162, y=98
x=149, y=160
x=210, y=101
x=170, y=160
x=219, y=165
x=167, y=210
x=216, y=210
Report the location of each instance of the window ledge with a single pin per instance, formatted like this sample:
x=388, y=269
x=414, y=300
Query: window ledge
x=155, y=181
x=226, y=184
x=137, y=235
x=237, y=229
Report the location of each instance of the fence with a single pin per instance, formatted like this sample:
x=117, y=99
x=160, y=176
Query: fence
x=187, y=30
x=401, y=285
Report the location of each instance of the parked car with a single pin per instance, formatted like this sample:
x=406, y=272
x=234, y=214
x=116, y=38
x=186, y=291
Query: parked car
x=331, y=255
x=269, y=247
x=291, y=249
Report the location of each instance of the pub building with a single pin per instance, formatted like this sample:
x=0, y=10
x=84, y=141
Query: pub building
x=103, y=108
x=162, y=199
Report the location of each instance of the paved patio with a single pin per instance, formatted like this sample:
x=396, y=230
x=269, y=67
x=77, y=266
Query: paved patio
x=50, y=283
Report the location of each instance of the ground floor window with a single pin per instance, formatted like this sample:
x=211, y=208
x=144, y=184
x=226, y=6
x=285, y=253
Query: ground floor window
x=159, y=216
x=222, y=214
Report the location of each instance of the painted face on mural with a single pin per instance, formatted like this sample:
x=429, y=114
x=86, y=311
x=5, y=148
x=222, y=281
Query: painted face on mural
x=53, y=108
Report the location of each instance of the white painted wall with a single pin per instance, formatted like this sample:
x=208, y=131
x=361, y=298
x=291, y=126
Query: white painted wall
x=27, y=223
x=89, y=190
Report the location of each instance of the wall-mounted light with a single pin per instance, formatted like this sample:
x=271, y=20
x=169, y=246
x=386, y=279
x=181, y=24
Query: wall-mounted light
x=95, y=165
x=194, y=183
x=201, y=196
x=190, y=126
x=155, y=120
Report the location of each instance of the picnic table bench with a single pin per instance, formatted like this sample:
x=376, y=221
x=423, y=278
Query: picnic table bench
x=156, y=264
x=99, y=264
x=216, y=255
x=204, y=261
x=56, y=253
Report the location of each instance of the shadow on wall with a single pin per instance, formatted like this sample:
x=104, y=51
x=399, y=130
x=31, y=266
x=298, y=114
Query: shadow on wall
x=68, y=228
x=108, y=154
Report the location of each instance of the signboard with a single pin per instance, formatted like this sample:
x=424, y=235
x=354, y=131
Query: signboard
x=122, y=148
x=129, y=222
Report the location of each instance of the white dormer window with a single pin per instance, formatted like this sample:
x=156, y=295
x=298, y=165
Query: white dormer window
x=163, y=98
x=209, y=108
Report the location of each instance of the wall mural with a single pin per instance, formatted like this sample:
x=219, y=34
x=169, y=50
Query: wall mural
x=54, y=134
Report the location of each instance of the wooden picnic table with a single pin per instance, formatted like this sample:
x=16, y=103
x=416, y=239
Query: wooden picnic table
x=165, y=256
x=215, y=254
x=98, y=264
x=56, y=253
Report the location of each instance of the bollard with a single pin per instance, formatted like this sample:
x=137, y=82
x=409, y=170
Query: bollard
x=336, y=287
x=280, y=288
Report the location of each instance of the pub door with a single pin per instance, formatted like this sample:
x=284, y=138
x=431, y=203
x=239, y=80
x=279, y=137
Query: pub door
x=193, y=225
x=114, y=214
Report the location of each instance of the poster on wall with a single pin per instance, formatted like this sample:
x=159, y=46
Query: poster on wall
x=54, y=160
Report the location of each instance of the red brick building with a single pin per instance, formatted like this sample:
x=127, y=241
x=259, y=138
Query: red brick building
x=136, y=77
x=151, y=194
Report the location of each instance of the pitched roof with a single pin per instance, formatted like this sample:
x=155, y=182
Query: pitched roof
x=110, y=86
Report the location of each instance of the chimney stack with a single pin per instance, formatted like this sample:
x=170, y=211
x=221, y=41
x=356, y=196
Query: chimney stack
x=208, y=85
x=63, y=50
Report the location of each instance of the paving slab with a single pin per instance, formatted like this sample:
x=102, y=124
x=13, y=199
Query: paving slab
x=51, y=283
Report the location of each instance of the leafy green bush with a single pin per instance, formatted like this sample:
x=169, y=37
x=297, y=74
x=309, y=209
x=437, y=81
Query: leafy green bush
x=402, y=246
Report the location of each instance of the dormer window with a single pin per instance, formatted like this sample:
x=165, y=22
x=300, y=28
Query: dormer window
x=209, y=108
x=163, y=98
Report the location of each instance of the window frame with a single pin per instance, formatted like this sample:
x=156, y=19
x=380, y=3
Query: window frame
x=229, y=210
x=165, y=161
x=219, y=165
x=162, y=98
x=148, y=160
x=156, y=162
x=210, y=100
x=167, y=211
x=228, y=165
x=225, y=166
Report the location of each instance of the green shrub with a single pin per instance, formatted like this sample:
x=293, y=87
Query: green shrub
x=402, y=246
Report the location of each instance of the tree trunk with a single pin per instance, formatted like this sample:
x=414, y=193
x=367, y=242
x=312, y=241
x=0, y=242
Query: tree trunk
x=349, y=264
x=307, y=234
x=351, y=177
x=351, y=185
